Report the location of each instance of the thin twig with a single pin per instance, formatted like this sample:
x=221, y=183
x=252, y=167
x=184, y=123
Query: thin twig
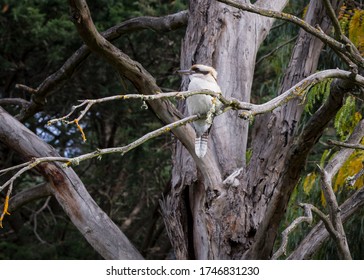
x=345, y=145
x=275, y=49
x=251, y=109
x=307, y=218
x=45, y=205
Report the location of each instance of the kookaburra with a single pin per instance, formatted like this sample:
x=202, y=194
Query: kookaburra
x=202, y=77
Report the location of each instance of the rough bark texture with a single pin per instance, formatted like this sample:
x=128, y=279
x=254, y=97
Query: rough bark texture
x=92, y=222
x=227, y=39
x=276, y=163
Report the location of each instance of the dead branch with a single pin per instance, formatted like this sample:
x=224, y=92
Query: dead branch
x=35, y=220
x=28, y=195
x=276, y=49
x=310, y=244
x=343, y=48
x=249, y=109
x=345, y=145
x=54, y=81
x=76, y=160
x=307, y=218
x=308, y=209
x=14, y=101
x=338, y=234
x=335, y=22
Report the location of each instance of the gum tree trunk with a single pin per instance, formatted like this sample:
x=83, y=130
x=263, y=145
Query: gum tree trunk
x=227, y=39
x=224, y=209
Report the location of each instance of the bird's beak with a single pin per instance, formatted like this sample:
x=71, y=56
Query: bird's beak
x=185, y=72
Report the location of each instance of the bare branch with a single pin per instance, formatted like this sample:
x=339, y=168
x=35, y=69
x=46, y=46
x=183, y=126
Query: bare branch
x=35, y=220
x=98, y=153
x=28, y=195
x=355, y=202
x=275, y=49
x=308, y=208
x=335, y=22
x=307, y=218
x=345, y=145
x=339, y=235
x=90, y=102
x=54, y=81
x=299, y=90
x=14, y=101
x=350, y=51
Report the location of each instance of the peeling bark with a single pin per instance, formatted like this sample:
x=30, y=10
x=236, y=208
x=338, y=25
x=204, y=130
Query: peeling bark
x=227, y=39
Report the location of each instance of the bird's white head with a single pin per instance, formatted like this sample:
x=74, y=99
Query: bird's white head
x=200, y=70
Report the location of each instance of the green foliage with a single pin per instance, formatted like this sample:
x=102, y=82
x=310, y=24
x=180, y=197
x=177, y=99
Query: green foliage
x=347, y=118
x=352, y=23
x=317, y=94
x=270, y=69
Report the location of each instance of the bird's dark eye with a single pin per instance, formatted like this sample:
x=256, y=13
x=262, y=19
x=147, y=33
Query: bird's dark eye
x=197, y=70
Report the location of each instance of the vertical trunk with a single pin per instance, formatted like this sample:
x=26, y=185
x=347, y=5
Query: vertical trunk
x=270, y=183
x=227, y=39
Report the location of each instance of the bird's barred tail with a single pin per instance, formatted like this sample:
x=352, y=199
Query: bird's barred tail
x=201, y=145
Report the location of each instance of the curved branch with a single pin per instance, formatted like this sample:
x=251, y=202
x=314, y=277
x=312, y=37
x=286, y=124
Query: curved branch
x=96, y=154
x=54, y=81
x=29, y=195
x=345, y=145
x=14, y=101
x=68, y=189
x=307, y=218
x=339, y=47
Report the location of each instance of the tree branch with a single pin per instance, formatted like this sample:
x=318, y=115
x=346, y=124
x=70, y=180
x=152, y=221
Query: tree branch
x=97, y=228
x=308, y=208
x=275, y=49
x=249, y=110
x=29, y=195
x=338, y=234
x=345, y=145
x=98, y=153
x=54, y=81
x=14, y=101
x=314, y=239
x=335, y=22
x=307, y=218
x=339, y=47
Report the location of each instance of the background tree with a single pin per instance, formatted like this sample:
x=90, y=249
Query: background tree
x=232, y=204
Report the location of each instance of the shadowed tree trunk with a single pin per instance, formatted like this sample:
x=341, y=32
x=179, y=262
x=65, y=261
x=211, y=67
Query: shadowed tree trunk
x=235, y=212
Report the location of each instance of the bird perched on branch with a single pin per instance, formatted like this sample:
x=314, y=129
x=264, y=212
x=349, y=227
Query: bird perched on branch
x=202, y=77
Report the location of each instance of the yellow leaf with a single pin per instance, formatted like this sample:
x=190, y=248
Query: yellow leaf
x=309, y=182
x=356, y=30
x=351, y=167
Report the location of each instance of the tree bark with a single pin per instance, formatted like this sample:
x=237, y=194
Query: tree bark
x=217, y=35
x=103, y=235
x=276, y=163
